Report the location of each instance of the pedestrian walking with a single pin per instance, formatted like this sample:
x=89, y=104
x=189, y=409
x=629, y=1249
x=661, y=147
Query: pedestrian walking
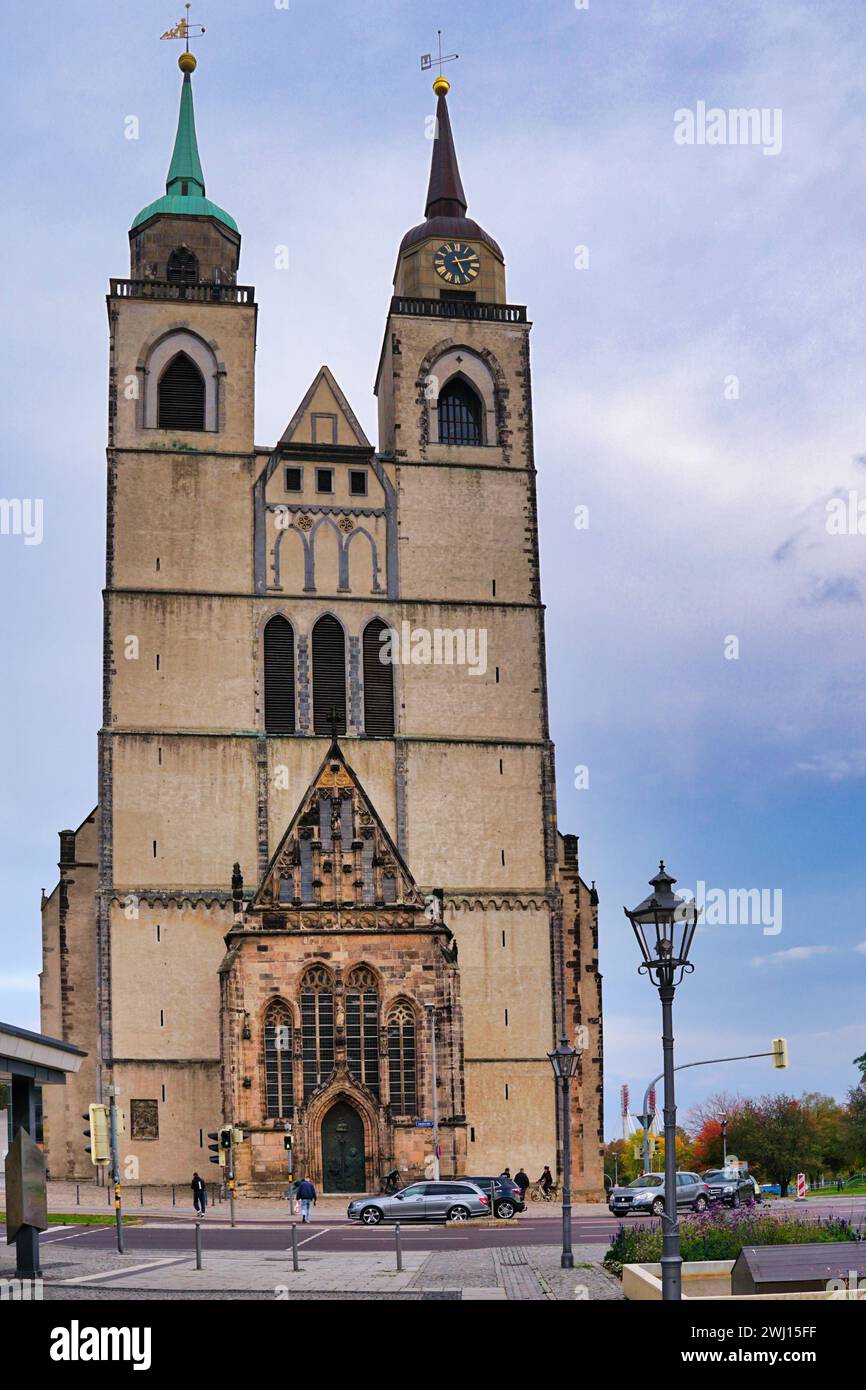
x=199, y=1193
x=521, y=1180
x=306, y=1194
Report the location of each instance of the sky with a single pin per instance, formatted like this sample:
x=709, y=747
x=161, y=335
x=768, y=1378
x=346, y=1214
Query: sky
x=699, y=372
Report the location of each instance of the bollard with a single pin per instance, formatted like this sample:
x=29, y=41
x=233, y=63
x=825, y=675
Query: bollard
x=77, y=1195
x=399, y=1246
x=295, y=1265
x=141, y=1195
x=173, y=1195
x=198, y=1244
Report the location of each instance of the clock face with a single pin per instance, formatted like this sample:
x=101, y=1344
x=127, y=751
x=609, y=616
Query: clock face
x=457, y=263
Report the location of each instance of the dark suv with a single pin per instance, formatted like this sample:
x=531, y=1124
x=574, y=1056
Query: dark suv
x=729, y=1187
x=507, y=1200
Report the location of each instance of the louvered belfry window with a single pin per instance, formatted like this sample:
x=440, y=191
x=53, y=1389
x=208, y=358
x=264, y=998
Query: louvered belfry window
x=329, y=675
x=279, y=677
x=402, y=1060
x=278, y=1061
x=459, y=414
x=182, y=268
x=362, y=1028
x=378, y=684
x=181, y=395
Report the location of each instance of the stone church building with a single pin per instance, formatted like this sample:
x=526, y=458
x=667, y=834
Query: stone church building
x=323, y=891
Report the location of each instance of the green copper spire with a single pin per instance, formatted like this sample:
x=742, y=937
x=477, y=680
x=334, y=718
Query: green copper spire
x=185, y=165
x=184, y=187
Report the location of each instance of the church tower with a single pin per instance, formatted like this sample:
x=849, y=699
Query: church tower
x=331, y=896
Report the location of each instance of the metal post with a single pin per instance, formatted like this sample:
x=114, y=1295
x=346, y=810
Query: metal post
x=78, y=1194
x=232, y=1178
x=141, y=1195
x=434, y=1088
x=173, y=1195
x=671, y=1260
x=115, y=1169
x=24, y=1117
x=295, y=1265
x=198, y=1243
x=724, y=1143
x=567, y=1258
x=399, y=1247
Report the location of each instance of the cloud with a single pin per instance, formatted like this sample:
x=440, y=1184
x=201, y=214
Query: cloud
x=794, y=953
x=861, y=947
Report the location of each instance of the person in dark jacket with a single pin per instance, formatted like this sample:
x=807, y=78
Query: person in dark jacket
x=521, y=1180
x=546, y=1180
x=306, y=1195
x=199, y=1193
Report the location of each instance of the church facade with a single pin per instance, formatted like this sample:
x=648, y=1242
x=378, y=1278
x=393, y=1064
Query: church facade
x=323, y=892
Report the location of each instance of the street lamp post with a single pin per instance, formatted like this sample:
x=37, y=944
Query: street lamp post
x=724, y=1122
x=664, y=926
x=564, y=1060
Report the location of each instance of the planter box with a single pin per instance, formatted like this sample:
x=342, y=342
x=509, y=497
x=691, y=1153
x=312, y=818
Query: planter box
x=709, y=1280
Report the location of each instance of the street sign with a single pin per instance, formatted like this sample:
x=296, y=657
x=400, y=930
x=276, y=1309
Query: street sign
x=423, y=1124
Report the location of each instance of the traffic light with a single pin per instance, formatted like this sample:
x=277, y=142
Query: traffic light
x=98, y=1133
x=238, y=1136
x=225, y=1136
x=217, y=1154
x=287, y=1142
x=780, y=1053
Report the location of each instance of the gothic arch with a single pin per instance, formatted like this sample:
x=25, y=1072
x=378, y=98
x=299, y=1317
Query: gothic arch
x=157, y=352
x=345, y=572
x=318, y=1108
x=480, y=370
x=318, y=555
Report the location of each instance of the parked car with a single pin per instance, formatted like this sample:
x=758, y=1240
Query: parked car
x=728, y=1186
x=507, y=1201
x=647, y=1194
x=457, y=1200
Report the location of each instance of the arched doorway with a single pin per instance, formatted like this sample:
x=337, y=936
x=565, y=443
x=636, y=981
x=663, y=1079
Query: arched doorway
x=343, y=1167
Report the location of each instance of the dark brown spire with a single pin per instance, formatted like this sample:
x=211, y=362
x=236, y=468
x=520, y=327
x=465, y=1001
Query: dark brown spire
x=445, y=196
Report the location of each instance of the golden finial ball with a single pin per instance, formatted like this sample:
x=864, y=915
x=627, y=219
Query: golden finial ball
x=186, y=62
x=442, y=86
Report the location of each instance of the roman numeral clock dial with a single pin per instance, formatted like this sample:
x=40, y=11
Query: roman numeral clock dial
x=456, y=263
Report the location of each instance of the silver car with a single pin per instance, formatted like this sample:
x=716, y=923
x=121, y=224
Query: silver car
x=422, y=1201
x=647, y=1194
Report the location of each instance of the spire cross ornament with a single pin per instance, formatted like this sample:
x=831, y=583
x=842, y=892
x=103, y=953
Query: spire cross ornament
x=428, y=59
x=183, y=29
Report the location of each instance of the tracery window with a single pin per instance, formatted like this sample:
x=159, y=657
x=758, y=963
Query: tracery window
x=402, y=1061
x=362, y=1027
x=278, y=1061
x=317, y=1026
x=459, y=414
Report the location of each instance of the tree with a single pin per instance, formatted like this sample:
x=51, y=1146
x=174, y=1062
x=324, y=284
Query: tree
x=828, y=1115
x=777, y=1136
x=853, y=1127
x=861, y=1063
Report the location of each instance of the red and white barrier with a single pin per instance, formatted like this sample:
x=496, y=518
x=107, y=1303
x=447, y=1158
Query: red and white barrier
x=801, y=1187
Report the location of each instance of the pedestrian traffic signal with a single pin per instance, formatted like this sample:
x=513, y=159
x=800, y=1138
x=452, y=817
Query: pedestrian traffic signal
x=225, y=1136
x=780, y=1052
x=287, y=1142
x=98, y=1133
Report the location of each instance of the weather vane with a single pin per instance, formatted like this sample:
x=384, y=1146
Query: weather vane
x=183, y=29
x=428, y=59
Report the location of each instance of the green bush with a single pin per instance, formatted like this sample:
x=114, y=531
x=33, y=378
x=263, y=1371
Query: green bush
x=721, y=1234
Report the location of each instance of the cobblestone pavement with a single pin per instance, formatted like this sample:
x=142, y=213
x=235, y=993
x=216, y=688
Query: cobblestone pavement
x=514, y=1273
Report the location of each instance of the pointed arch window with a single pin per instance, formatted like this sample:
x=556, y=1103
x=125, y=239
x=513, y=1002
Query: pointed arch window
x=459, y=414
x=182, y=268
x=279, y=677
x=329, y=675
x=378, y=684
x=402, y=1060
x=181, y=395
x=317, y=1026
x=362, y=1027
x=279, y=1099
